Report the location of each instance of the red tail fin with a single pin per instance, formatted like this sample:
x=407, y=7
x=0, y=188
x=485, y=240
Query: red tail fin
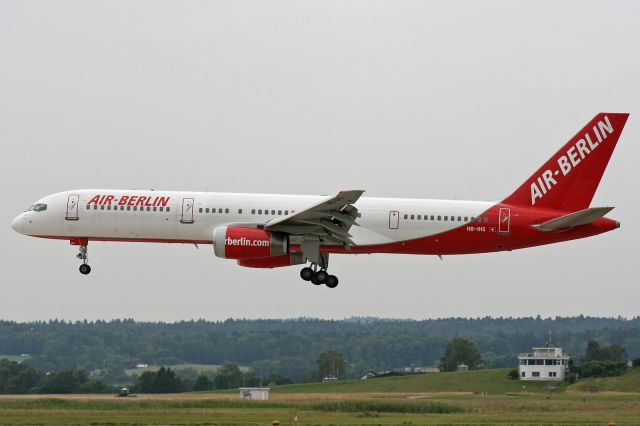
x=569, y=179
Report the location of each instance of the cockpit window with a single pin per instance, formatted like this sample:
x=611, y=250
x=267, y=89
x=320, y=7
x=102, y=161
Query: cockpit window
x=38, y=207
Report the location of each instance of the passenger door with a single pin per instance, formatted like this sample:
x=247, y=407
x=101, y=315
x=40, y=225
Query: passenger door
x=504, y=220
x=72, y=207
x=187, y=210
x=394, y=219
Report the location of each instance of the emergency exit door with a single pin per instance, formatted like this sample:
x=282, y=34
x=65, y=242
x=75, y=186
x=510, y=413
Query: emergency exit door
x=72, y=207
x=394, y=219
x=187, y=210
x=504, y=220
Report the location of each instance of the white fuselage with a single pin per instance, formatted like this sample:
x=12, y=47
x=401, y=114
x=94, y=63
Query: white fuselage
x=170, y=216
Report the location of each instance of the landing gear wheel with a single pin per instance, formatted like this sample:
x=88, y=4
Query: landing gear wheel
x=306, y=274
x=321, y=276
x=85, y=269
x=314, y=280
x=332, y=281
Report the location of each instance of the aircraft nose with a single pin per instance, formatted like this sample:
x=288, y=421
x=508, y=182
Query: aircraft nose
x=17, y=224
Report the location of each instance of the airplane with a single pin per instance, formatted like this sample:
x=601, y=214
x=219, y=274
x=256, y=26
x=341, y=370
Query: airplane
x=271, y=231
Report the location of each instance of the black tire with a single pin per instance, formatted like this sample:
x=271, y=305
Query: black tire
x=321, y=276
x=306, y=274
x=85, y=269
x=332, y=281
x=314, y=280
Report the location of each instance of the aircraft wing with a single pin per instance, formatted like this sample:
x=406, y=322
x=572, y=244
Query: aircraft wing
x=582, y=217
x=329, y=220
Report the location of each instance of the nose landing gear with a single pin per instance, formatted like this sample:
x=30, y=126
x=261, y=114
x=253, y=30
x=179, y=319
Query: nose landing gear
x=85, y=269
x=318, y=277
x=83, y=254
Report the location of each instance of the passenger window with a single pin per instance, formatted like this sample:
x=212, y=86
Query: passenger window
x=200, y=210
x=161, y=208
x=432, y=217
x=253, y=211
x=446, y=218
x=459, y=219
x=219, y=210
x=286, y=212
x=239, y=211
x=279, y=212
x=168, y=209
x=419, y=217
x=226, y=210
x=406, y=216
x=273, y=212
x=135, y=208
x=412, y=217
x=259, y=211
x=128, y=207
x=88, y=206
x=486, y=219
x=95, y=207
x=109, y=207
x=155, y=209
x=102, y=207
x=466, y=218
x=439, y=217
x=206, y=210
x=148, y=209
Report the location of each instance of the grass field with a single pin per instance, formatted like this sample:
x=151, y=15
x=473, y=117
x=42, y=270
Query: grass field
x=443, y=399
x=200, y=368
x=15, y=358
x=326, y=409
x=630, y=382
x=493, y=381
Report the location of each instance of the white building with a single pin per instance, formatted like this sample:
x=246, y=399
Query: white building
x=257, y=394
x=543, y=364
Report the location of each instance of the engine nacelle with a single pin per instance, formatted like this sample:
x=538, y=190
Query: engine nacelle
x=236, y=242
x=294, y=258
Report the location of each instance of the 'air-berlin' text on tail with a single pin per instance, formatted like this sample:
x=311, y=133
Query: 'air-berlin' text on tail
x=569, y=179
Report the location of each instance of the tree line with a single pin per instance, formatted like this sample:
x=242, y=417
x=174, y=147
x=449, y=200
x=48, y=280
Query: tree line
x=16, y=378
x=290, y=348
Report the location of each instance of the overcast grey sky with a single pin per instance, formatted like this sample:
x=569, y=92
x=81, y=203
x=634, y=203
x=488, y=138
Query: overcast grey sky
x=425, y=99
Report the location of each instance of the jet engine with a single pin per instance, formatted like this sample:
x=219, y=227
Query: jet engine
x=236, y=242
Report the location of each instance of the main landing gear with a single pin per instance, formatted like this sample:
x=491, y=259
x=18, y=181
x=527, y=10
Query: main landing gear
x=83, y=255
x=318, y=277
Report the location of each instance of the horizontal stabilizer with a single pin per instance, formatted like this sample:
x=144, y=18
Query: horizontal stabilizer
x=582, y=217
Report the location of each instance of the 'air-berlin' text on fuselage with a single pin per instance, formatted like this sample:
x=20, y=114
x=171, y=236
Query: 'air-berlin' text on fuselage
x=130, y=200
x=574, y=155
